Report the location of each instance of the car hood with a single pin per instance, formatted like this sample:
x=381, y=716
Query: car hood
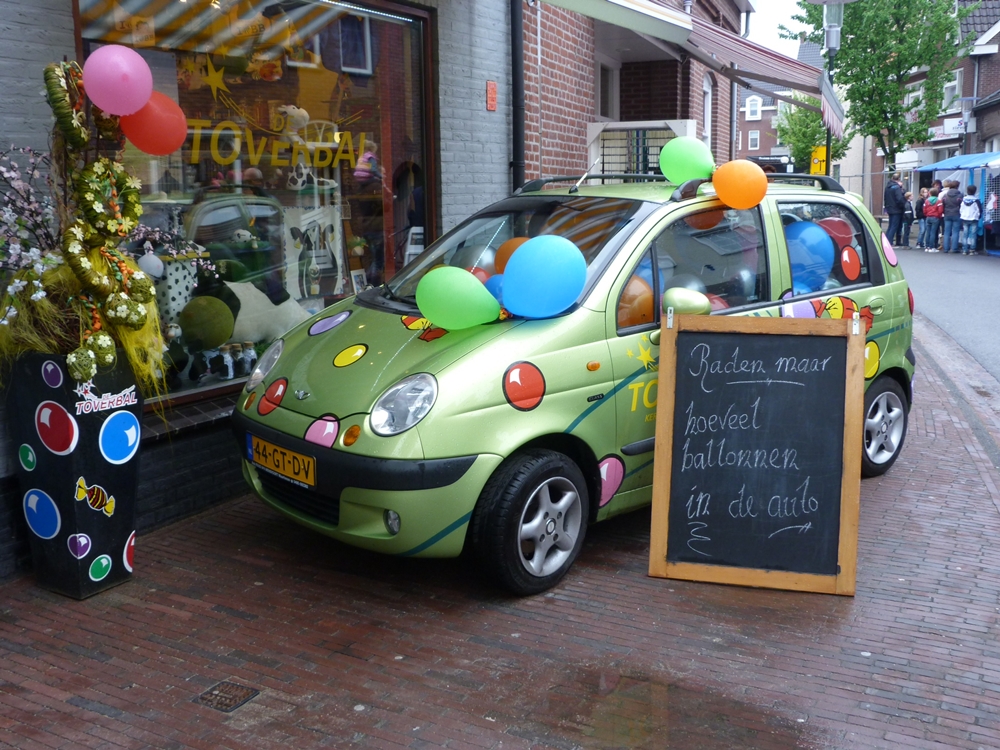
x=343, y=369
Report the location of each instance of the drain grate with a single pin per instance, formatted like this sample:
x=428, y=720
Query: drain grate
x=227, y=696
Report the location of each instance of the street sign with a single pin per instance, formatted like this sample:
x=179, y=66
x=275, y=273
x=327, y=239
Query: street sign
x=817, y=165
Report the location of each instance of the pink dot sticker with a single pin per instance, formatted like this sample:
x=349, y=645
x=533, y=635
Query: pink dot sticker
x=612, y=474
x=324, y=431
x=889, y=251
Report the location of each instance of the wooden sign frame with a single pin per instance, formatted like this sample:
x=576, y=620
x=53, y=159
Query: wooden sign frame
x=850, y=488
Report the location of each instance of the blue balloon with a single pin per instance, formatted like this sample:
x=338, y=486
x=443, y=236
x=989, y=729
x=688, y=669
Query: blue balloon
x=494, y=285
x=544, y=277
x=811, y=252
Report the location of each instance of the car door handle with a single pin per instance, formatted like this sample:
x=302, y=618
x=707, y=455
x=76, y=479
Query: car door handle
x=877, y=306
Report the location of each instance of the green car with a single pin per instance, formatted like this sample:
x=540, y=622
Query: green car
x=371, y=425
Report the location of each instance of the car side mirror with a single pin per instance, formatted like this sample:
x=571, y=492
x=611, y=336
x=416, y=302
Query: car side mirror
x=686, y=301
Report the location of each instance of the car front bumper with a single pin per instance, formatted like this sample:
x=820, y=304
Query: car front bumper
x=434, y=498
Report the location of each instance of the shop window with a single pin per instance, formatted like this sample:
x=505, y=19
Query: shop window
x=302, y=178
x=826, y=246
x=719, y=252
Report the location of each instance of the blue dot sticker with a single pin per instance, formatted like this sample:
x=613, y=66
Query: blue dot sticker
x=119, y=438
x=42, y=515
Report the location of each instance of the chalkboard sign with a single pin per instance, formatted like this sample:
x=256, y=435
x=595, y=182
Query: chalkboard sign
x=758, y=450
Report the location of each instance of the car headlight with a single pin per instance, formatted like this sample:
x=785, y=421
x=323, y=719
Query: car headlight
x=265, y=364
x=404, y=404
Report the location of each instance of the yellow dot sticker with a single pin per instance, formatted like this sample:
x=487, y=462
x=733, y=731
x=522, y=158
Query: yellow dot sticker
x=872, y=358
x=350, y=355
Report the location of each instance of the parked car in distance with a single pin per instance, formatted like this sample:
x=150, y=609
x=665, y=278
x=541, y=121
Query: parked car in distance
x=371, y=425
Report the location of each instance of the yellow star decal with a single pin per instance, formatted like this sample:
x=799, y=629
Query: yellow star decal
x=646, y=357
x=629, y=353
x=214, y=78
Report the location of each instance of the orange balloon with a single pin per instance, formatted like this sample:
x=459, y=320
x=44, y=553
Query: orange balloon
x=505, y=251
x=704, y=219
x=740, y=184
x=635, y=306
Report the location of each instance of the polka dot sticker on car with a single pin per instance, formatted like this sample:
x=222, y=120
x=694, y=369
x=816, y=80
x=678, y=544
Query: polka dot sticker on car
x=523, y=386
x=323, y=431
x=350, y=355
x=271, y=399
x=327, y=324
x=612, y=473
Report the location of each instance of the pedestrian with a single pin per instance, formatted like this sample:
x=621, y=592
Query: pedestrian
x=952, y=200
x=894, y=202
x=933, y=211
x=918, y=212
x=904, y=232
x=970, y=212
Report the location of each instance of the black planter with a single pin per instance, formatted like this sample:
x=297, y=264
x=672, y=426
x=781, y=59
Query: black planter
x=77, y=452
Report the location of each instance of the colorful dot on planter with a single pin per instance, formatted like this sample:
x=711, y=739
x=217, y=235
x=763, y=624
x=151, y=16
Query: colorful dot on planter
x=79, y=545
x=100, y=568
x=326, y=324
x=523, y=386
x=27, y=457
x=52, y=374
x=120, y=437
x=612, y=470
x=42, y=514
x=350, y=355
x=128, y=554
x=323, y=431
x=271, y=399
x=56, y=428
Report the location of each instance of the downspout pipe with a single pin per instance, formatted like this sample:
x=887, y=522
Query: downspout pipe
x=517, y=93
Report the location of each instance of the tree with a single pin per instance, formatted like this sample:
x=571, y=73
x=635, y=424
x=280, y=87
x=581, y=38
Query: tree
x=802, y=130
x=883, y=45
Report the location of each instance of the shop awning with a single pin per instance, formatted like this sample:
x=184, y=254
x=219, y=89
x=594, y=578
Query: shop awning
x=743, y=61
x=642, y=16
x=964, y=161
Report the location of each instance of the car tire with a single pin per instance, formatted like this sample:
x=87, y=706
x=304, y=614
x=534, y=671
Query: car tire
x=885, y=424
x=530, y=521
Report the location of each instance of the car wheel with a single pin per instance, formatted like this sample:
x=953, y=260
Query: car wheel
x=885, y=426
x=530, y=521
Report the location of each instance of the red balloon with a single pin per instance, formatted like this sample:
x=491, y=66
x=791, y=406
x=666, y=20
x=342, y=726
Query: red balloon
x=480, y=273
x=159, y=128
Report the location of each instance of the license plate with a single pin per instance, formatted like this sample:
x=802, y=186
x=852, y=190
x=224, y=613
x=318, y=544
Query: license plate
x=289, y=464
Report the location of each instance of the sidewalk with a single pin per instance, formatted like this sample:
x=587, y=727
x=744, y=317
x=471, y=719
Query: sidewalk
x=349, y=649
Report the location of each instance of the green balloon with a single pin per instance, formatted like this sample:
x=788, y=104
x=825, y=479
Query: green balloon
x=686, y=301
x=685, y=158
x=454, y=299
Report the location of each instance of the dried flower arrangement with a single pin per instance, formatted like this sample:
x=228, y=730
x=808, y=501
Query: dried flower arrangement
x=71, y=287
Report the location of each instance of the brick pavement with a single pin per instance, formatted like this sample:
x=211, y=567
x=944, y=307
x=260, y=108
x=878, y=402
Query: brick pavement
x=349, y=649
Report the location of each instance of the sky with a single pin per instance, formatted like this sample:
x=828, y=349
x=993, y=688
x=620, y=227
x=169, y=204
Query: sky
x=764, y=25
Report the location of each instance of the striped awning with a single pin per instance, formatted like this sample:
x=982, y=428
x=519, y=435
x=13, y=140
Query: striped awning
x=743, y=61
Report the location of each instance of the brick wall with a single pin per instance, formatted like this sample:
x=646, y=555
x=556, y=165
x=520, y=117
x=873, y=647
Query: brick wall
x=559, y=90
x=475, y=150
x=33, y=33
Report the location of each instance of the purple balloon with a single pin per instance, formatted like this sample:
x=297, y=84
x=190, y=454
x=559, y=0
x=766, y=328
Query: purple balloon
x=117, y=79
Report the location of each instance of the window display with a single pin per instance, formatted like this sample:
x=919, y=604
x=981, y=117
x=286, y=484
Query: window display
x=300, y=180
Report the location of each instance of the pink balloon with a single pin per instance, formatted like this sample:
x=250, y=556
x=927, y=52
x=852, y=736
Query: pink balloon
x=117, y=79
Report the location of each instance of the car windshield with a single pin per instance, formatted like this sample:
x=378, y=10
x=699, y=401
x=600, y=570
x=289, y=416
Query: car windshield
x=593, y=224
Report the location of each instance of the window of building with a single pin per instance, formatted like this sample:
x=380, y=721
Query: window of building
x=753, y=107
x=753, y=140
x=953, y=94
x=706, y=120
x=302, y=177
x=607, y=81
